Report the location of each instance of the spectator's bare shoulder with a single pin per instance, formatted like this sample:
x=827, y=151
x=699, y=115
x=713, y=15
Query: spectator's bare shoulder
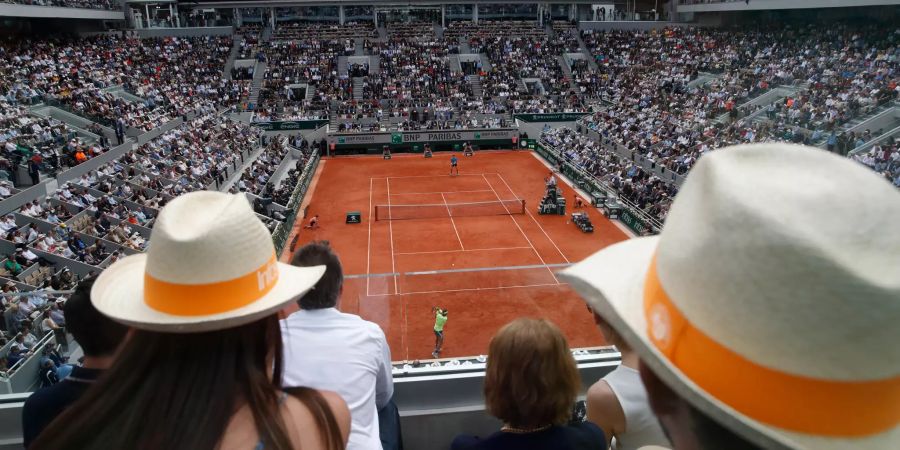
x=600, y=393
x=604, y=409
x=301, y=415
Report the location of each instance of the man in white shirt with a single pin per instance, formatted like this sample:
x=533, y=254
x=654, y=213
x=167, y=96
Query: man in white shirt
x=8, y=224
x=327, y=349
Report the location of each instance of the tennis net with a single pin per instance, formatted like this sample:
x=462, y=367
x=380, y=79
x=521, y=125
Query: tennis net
x=439, y=210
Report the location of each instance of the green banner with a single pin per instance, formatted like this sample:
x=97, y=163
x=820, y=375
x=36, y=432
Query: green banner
x=551, y=117
x=550, y=157
x=401, y=138
x=637, y=225
x=290, y=125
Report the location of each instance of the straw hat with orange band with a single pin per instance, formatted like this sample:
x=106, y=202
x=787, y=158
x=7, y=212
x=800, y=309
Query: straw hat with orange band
x=211, y=265
x=771, y=299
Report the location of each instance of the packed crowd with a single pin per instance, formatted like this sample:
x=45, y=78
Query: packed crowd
x=415, y=69
x=657, y=112
x=172, y=76
x=883, y=158
x=649, y=193
x=40, y=143
x=248, y=48
x=101, y=217
x=257, y=179
x=516, y=58
x=306, y=31
x=27, y=320
x=302, y=80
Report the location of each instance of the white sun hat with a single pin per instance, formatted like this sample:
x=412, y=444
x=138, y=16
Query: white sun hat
x=771, y=299
x=211, y=265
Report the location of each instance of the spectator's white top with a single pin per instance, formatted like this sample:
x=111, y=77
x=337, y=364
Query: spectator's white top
x=641, y=427
x=327, y=349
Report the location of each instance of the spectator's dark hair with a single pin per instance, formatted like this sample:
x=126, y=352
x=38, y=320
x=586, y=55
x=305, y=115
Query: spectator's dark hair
x=97, y=334
x=193, y=384
x=326, y=292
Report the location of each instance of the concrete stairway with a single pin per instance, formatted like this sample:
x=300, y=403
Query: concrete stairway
x=256, y=84
x=357, y=88
x=567, y=71
x=485, y=62
x=453, y=61
x=587, y=52
x=333, y=121
x=229, y=64
x=521, y=86
x=475, y=81
x=702, y=79
x=343, y=65
x=359, y=50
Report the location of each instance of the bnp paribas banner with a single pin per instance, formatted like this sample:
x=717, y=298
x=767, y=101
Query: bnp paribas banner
x=414, y=137
x=290, y=125
x=550, y=117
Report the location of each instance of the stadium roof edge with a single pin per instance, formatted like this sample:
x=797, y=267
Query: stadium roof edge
x=53, y=12
x=284, y=3
x=759, y=5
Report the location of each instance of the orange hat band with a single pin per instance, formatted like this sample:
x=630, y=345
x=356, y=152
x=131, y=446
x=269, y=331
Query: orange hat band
x=211, y=298
x=791, y=402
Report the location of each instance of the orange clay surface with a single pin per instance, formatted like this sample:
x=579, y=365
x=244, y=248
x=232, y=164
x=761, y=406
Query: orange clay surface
x=378, y=256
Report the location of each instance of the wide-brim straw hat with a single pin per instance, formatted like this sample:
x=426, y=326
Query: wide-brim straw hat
x=770, y=301
x=211, y=266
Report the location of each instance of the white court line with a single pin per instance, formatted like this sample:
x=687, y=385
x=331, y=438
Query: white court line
x=466, y=250
x=474, y=289
x=441, y=192
x=403, y=337
x=452, y=222
x=429, y=176
x=391, y=232
x=520, y=228
x=369, y=242
x=535, y=220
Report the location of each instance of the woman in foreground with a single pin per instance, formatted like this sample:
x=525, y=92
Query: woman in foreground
x=531, y=384
x=201, y=368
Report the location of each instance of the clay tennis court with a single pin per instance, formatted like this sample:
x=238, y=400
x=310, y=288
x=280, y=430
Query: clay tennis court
x=461, y=242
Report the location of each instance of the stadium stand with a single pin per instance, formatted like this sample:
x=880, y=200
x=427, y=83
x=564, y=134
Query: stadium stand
x=654, y=101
